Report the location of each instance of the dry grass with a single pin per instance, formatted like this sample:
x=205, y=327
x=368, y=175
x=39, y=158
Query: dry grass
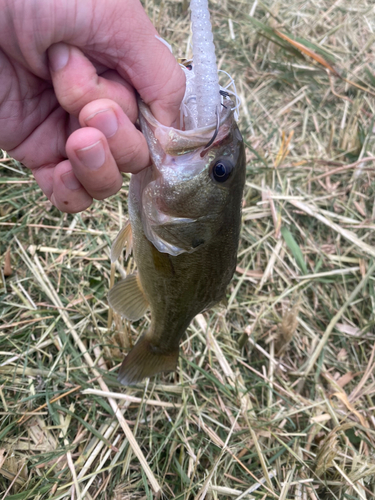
x=274, y=398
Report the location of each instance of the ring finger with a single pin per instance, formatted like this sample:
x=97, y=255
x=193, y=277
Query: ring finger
x=93, y=163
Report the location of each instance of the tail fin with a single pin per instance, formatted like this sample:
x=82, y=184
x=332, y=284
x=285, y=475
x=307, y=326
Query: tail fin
x=146, y=360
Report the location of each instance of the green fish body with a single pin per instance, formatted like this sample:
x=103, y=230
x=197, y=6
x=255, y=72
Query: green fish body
x=184, y=226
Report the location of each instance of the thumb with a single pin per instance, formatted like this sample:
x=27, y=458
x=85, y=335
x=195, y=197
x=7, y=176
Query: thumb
x=164, y=86
x=139, y=56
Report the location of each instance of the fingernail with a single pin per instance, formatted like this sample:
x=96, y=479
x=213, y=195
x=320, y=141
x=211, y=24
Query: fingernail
x=105, y=121
x=58, y=55
x=93, y=156
x=70, y=181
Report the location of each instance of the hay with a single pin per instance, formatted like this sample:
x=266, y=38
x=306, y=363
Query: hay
x=274, y=398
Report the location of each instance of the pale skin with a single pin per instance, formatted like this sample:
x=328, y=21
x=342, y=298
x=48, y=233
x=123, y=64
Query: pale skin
x=69, y=73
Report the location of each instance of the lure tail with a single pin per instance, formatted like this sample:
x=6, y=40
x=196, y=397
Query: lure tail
x=204, y=60
x=146, y=360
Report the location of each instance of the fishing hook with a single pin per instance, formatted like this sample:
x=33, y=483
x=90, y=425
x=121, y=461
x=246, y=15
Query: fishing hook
x=224, y=94
x=216, y=130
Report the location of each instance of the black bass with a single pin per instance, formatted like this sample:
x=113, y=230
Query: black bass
x=184, y=226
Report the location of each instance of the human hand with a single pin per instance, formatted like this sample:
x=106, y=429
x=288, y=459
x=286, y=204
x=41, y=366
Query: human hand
x=67, y=98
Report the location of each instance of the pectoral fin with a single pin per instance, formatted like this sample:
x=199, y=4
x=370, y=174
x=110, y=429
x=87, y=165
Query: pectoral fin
x=146, y=360
x=128, y=299
x=123, y=238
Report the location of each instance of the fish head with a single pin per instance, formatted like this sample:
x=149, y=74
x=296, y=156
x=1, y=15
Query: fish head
x=190, y=193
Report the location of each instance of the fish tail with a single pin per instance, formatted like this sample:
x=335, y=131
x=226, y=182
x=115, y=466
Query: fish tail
x=146, y=360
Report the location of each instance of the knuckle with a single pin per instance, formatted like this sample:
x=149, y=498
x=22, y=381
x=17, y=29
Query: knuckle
x=130, y=155
x=107, y=188
x=76, y=97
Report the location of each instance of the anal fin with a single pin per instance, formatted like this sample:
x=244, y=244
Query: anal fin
x=123, y=238
x=128, y=299
x=146, y=360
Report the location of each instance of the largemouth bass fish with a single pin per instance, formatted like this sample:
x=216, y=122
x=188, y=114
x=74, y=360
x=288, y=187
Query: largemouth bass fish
x=184, y=225
x=184, y=213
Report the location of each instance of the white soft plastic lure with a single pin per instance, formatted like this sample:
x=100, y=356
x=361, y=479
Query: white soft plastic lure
x=206, y=77
x=202, y=98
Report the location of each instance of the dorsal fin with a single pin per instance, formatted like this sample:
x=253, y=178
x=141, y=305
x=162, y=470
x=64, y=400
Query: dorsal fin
x=128, y=299
x=123, y=238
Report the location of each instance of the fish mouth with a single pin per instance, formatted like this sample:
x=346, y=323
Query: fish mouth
x=176, y=142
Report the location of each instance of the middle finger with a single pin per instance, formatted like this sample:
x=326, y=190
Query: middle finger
x=92, y=162
x=127, y=144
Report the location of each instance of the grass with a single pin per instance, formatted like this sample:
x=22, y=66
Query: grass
x=273, y=398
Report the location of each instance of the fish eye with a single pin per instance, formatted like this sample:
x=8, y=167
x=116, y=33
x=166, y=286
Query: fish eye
x=222, y=170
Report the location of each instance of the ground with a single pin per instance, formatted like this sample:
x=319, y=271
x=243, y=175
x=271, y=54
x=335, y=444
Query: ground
x=273, y=397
